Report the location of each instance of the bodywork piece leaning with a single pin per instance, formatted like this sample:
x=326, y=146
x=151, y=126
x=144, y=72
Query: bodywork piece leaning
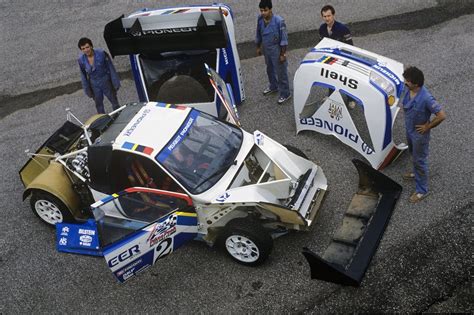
x=352, y=94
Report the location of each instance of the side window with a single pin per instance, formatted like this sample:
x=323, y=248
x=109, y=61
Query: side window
x=133, y=170
x=131, y=212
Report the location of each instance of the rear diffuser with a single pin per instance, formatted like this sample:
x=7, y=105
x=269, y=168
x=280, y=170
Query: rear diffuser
x=348, y=256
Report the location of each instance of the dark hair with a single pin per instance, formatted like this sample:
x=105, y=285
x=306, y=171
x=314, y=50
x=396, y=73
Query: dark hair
x=328, y=7
x=265, y=4
x=414, y=75
x=83, y=41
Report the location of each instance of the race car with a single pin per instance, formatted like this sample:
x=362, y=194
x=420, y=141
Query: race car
x=352, y=94
x=167, y=48
x=136, y=184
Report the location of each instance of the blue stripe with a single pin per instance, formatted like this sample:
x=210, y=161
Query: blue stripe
x=127, y=239
x=324, y=85
x=182, y=238
x=128, y=145
x=388, y=119
x=179, y=137
x=138, y=80
x=184, y=220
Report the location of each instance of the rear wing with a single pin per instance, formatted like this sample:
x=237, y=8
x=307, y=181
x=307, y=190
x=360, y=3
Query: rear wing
x=169, y=32
x=349, y=254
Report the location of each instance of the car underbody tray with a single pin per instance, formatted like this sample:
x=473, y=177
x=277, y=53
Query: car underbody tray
x=349, y=254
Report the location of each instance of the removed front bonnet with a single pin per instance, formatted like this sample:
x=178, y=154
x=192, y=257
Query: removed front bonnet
x=349, y=254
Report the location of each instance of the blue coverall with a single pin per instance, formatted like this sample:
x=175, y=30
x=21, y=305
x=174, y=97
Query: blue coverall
x=272, y=37
x=99, y=79
x=417, y=112
x=339, y=32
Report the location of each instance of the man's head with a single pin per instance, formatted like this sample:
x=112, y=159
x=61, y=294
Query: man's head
x=328, y=14
x=86, y=46
x=265, y=8
x=414, y=78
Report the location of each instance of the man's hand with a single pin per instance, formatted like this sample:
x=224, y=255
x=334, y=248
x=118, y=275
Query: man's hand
x=423, y=128
x=259, y=51
x=282, y=58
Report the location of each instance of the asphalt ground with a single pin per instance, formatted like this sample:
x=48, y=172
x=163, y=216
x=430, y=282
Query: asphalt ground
x=424, y=261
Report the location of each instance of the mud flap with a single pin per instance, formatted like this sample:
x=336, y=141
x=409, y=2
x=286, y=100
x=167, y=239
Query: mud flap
x=348, y=256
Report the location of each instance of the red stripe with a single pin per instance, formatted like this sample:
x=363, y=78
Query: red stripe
x=148, y=150
x=161, y=192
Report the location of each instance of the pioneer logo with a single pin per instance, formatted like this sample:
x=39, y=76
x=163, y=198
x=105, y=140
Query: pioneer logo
x=164, y=31
x=336, y=76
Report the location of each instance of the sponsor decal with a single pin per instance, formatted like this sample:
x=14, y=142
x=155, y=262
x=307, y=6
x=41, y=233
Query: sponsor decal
x=163, y=230
x=65, y=231
x=63, y=241
x=352, y=83
x=164, y=31
x=338, y=129
x=137, y=148
x=224, y=53
x=125, y=255
x=223, y=197
x=335, y=111
x=387, y=73
x=130, y=130
x=85, y=238
x=259, y=138
x=129, y=268
x=86, y=232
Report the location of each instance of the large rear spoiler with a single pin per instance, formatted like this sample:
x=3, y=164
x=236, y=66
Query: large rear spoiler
x=349, y=254
x=169, y=32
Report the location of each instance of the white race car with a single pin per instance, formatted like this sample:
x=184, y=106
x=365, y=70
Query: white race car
x=352, y=94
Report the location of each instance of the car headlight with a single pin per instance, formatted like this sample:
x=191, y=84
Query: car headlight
x=385, y=85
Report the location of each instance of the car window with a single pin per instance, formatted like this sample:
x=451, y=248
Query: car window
x=133, y=170
x=178, y=77
x=130, y=212
x=198, y=155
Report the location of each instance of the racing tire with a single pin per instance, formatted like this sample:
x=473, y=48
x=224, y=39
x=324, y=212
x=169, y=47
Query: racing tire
x=296, y=151
x=49, y=208
x=246, y=242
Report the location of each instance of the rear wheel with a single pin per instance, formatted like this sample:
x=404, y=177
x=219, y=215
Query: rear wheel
x=247, y=242
x=296, y=151
x=49, y=209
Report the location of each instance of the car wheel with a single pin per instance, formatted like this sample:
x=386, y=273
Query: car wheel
x=247, y=242
x=49, y=208
x=296, y=151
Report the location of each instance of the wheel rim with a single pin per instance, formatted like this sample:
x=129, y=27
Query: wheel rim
x=242, y=248
x=48, y=211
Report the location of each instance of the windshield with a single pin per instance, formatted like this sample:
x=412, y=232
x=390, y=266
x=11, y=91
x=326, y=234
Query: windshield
x=198, y=155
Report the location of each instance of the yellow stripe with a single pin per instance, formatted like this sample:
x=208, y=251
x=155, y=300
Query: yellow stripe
x=168, y=105
x=115, y=195
x=187, y=214
x=324, y=61
x=135, y=146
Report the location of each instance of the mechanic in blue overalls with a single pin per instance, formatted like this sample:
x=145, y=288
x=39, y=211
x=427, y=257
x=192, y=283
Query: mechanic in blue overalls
x=418, y=106
x=272, y=40
x=98, y=75
x=332, y=28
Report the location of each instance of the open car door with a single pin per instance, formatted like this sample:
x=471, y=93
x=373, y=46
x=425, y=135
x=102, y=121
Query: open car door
x=224, y=92
x=132, y=229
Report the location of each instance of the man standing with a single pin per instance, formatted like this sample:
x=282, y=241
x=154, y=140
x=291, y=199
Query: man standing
x=419, y=105
x=98, y=75
x=333, y=29
x=272, y=39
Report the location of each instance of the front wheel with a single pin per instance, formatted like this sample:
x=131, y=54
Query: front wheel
x=49, y=208
x=247, y=242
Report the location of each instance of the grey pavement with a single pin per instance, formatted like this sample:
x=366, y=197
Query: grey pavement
x=424, y=261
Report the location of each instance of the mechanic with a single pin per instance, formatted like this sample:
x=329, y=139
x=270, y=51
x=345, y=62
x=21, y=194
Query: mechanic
x=332, y=28
x=272, y=40
x=98, y=75
x=419, y=105
x=337, y=31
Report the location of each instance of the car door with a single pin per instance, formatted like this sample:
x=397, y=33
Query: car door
x=133, y=229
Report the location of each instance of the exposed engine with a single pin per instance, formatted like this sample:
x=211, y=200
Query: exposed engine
x=79, y=164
